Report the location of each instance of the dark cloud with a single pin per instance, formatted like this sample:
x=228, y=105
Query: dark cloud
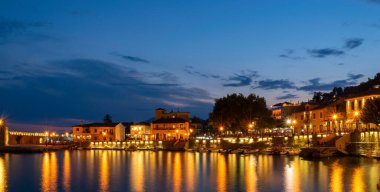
x=134, y=59
x=190, y=70
x=353, y=43
x=275, y=84
x=316, y=85
x=10, y=28
x=289, y=54
x=287, y=96
x=88, y=88
x=321, y=53
x=242, y=79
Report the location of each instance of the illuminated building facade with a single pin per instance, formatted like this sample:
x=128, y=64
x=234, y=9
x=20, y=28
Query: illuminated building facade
x=284, y=110
x=99, y=132
x=354, y=105
x=141, y=131
x=170, y=126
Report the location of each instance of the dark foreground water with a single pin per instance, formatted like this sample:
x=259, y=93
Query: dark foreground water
x=182, y=171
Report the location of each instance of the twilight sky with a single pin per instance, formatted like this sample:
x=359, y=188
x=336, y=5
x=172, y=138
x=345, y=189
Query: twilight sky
x=67, y=61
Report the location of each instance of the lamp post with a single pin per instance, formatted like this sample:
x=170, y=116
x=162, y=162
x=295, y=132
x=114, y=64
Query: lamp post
x=356, y=114
x=221, y=128
x=334, y=125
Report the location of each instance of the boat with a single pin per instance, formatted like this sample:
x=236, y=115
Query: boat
x=250, y=151
x=293, y=152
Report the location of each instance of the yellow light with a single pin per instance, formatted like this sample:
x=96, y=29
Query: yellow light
x=221, y=128
x=67, y=134
x=356, y=113
x=1, y=121
x=334, y=116
x=176, y=131
x=46, y=133
x=294, y=122
x=288, y=121
x=104, y=133
x=191, y=130
x=250, y=125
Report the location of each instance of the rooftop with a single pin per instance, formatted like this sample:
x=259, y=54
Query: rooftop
x=97, y=125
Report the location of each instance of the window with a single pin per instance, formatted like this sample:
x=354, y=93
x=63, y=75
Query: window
x=77, y=129
x=320, y=115
x=359, y=104
x=313, y=115
x=95, y=131
x=352, y=105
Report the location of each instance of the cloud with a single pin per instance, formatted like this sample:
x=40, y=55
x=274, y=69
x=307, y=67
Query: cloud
x=315, y=84
x=190, y=70
x=10, y=28
x=132, y=58
x=275, y=84
x=287, y=96
x=89, y=88
x=353, y=43
x=289, y=54
x=242, y=79
x=321, y=53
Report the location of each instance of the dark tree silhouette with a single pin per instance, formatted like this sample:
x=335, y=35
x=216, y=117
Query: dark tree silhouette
x=235, y=112
x=107, y=118
x=371, y=112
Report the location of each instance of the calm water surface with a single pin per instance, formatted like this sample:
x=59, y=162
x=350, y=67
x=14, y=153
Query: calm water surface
x=182, y=171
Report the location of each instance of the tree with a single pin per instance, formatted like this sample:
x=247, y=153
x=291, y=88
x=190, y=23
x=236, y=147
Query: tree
x=107, y=118
x=236, y=112
x=371, y=112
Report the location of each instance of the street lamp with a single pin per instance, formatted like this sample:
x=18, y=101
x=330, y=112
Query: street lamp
x=334, y=117
x=356, y=114
x=221, y=128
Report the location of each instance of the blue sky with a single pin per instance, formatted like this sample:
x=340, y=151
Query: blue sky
x=67, y=61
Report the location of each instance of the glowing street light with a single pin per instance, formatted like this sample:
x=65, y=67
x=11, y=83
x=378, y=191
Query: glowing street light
x=1, y=121
x=356, y=114
x=334, y=117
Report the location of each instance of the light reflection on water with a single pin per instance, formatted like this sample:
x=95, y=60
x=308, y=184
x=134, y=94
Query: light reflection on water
x=181, y=171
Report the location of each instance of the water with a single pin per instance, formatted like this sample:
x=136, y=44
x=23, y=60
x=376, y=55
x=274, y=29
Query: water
x=182, y=171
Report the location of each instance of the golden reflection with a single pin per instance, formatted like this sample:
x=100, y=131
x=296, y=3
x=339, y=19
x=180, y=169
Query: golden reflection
x=49, y=172
x=190, y=181
x=103, y=176
x=292, y=176
x=336, y=180
x=137, y=171
x=251, y=174
x=3, y=175
x=66, y=171
x=177, y=172
x=222, y=173
x=357, y=182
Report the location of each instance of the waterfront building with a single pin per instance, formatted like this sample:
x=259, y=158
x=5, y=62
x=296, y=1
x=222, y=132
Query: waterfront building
x=314, y=118
x=284, y=110
x=140, y=131
x=170, y=126
x=355, y=104
x=342, y=115
x=100, y=132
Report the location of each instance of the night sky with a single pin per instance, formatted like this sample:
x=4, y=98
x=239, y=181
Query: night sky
x=67, y=61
